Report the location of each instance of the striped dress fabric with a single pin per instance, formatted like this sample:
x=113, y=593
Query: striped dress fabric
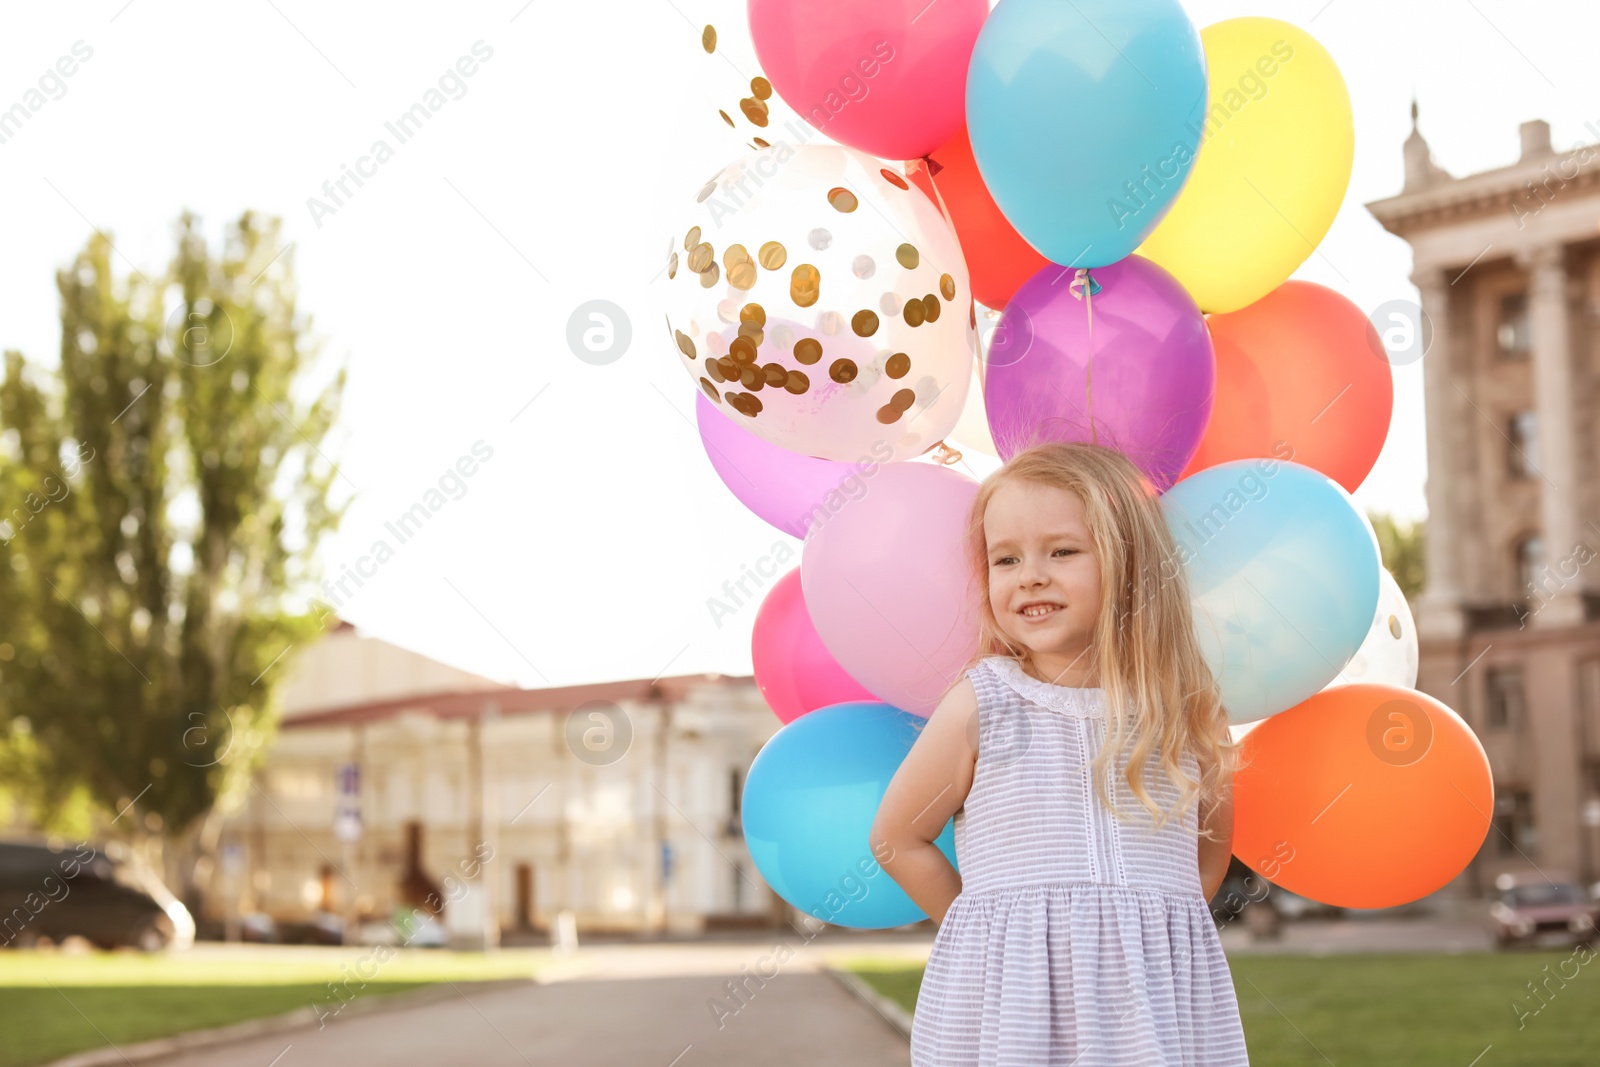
x=1076, y=938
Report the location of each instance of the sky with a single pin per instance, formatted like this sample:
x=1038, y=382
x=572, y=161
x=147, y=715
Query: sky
x=587, y=543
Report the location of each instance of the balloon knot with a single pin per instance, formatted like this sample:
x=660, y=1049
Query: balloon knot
x=1081, y=280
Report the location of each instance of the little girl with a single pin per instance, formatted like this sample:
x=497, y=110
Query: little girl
x=1074, y=934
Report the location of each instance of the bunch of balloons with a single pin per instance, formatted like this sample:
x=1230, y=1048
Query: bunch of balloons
x=1124, y=197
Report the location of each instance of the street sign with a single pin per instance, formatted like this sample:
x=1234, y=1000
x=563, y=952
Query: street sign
x=347, y=825
x=1591, y=812
x=347, y=809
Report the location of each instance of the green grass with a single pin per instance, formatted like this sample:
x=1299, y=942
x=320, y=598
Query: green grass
x=53, y=1004
x=1413, y=1009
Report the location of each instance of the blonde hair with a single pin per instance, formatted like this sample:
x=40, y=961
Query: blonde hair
x=1162, y=696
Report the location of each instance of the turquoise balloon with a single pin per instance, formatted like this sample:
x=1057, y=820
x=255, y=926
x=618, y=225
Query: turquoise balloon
x=1085, y=119
x=1283, y=574
x=809, y=801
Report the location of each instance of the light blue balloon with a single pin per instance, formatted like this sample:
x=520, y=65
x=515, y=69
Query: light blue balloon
x=1283, y=575
x=809, y=802
x=1085, y=118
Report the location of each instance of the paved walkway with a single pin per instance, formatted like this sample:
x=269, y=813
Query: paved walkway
x=639, y=1005
x=651, y=1005
x=1321, y=937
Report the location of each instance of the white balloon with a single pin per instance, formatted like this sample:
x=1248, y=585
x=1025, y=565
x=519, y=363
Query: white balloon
x=971, y=431
x=1388, y=655
x=787, y=295
x=1239, y=729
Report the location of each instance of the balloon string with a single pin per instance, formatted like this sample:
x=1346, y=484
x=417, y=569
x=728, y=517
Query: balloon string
x=1088, y=306
x=927, y=163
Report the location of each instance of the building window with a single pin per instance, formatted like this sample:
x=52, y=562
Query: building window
x=735, y=795
x=1505, y=699
x=1522, y=444
x=1513, y=822
x=1529, y=560
x=1512, y=335
x=1589, y=714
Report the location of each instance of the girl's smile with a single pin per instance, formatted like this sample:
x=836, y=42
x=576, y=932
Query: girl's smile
x=1044, y=576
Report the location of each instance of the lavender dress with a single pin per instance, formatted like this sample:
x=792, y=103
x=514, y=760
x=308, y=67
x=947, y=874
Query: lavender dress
x=1077, y=938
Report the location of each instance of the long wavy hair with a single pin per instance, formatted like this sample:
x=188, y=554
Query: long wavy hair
x=1162, y=697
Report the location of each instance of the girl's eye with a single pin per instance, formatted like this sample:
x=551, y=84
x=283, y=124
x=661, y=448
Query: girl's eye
x=1066, y=550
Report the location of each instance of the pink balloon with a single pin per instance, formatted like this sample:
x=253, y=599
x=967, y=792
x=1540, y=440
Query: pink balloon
x=782, y=487
x=886, y=583
x=794, y=670
x=888, y=77
x=1143, y=366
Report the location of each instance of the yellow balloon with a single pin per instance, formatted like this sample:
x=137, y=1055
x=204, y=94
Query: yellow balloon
x=1272, y=170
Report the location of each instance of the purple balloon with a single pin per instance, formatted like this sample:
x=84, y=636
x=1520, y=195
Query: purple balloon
x=1149, y=385
x=780, y=486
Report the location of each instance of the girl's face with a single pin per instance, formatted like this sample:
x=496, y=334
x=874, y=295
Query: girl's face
x=1044, y=577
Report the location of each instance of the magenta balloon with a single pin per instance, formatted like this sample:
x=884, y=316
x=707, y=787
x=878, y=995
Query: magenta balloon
x=794, y=669
x=780, y=486
x=886, y=583
x=888, y=77
x=1153, y=371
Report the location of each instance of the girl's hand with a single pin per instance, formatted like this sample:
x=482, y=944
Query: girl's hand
x=1217, y=851
x=929, y=788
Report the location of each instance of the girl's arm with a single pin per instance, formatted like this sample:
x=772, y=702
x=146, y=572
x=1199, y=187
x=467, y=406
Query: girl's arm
x=930, y=786
x=1216, y=854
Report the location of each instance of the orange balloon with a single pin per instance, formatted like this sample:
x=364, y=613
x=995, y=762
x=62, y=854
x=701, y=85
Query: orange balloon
x=1362, y=796
x=1302, y=366
x=998, y=259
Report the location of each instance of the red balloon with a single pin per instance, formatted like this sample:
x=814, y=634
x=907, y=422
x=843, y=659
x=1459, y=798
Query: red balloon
x=998, y=259
x=1301, y=366
x=794, y=670
x=1362, y=796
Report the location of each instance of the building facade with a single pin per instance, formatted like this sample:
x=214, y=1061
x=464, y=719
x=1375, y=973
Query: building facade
x=1508, y=266
x=394, y=777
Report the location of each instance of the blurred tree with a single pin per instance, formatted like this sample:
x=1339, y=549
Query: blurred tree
x=161, y=494
x=1401, y=545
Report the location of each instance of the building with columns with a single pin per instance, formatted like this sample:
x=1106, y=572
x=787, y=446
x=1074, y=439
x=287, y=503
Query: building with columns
x=1508, y=265
x=394, y=777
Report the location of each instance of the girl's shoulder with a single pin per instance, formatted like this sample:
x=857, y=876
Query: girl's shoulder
x=992, y=672
x=1008, y=682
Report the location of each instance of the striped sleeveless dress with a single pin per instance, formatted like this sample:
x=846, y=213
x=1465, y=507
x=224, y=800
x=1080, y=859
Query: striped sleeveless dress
x=1076, y=938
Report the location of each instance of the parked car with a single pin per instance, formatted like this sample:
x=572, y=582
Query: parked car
x=101, y=893
x=408, y=927
x=258, y=927
x=1296, y=907
x=1261, y=906
x=1531, y=907
x=323, y=928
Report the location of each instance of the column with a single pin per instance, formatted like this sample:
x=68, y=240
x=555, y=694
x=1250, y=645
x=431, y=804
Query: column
x=1439, y=610
x=485, y=848
x=1557, y=600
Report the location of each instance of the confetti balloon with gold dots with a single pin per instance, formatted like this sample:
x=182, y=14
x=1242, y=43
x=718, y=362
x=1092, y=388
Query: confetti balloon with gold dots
x=822, y=303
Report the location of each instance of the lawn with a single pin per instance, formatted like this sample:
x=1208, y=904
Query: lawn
x=54, y=1003
x=1417, y=1010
